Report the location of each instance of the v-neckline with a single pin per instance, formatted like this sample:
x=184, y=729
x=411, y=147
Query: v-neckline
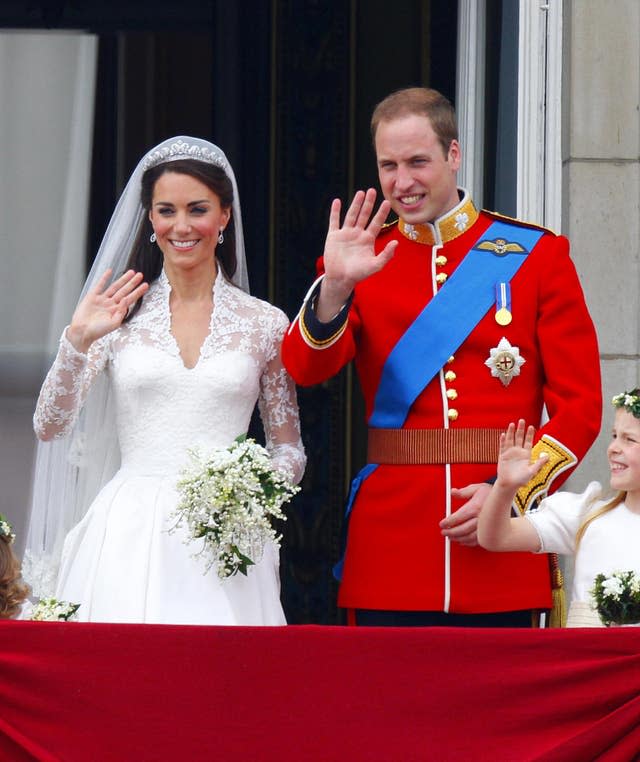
x=167, y=295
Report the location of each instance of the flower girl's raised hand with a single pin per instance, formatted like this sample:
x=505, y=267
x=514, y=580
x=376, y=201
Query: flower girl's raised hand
x=496, y=529
x=514, y=462
x=104, y=308
x=349, y=253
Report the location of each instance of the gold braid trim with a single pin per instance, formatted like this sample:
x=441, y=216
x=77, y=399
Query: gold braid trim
x=522, y=223
x=453, y=224
x=559, y=460
x=558, y=613
x=315, y=343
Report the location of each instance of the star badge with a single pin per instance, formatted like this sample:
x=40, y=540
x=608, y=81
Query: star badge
x=504, y=361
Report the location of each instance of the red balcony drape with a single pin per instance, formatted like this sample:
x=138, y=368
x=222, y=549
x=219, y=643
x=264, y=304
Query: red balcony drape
x=71, y=691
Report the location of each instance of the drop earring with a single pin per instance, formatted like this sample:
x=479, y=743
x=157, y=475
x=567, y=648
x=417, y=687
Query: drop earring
x=152, y=237
x=221, y=236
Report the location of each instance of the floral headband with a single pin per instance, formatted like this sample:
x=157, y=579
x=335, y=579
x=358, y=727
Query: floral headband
x=6, y=530
x=630, y=401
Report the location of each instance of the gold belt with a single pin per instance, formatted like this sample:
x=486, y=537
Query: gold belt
x=423, y=446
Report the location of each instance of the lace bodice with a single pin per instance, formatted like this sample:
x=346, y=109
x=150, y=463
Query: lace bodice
x=163, y=408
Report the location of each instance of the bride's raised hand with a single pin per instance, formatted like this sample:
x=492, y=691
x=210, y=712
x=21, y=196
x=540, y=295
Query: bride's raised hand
x=104, y=307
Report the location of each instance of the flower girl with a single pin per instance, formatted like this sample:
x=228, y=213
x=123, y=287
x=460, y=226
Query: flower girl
x=603, y=534
x=13, y=591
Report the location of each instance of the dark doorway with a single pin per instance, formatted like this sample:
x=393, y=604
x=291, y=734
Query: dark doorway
x=286, y=88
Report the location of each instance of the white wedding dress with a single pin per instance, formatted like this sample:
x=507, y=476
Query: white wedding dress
x=121, y=563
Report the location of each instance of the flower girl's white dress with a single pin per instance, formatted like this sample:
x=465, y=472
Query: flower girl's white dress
x=120, y=563
x=610, y=543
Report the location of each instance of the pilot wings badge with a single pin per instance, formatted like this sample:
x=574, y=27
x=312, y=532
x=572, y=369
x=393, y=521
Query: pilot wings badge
x=500, y=247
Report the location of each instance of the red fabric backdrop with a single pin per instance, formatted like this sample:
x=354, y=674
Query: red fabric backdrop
x=71, y=691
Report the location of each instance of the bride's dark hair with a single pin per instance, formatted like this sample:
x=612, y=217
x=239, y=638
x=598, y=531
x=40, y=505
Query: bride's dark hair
x=146, y=257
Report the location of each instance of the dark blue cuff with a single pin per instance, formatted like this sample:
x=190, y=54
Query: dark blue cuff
x=318, y=331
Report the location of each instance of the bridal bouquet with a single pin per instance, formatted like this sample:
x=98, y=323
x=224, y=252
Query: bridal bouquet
x=616, y=597
x=53, y=610
x=229, y=500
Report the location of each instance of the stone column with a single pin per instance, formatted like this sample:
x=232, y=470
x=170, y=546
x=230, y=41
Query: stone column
x=601, y=179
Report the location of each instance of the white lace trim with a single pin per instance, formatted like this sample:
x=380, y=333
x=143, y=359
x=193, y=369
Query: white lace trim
x=40, y=574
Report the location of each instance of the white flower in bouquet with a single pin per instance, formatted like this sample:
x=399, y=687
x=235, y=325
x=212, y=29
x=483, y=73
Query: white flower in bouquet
x=53, y=610
x=616, y=597
x=228, y=500
x=612, y=588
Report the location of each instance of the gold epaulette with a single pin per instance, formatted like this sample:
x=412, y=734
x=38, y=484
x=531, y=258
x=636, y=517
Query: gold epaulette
x=516, y=221
x=560, y=458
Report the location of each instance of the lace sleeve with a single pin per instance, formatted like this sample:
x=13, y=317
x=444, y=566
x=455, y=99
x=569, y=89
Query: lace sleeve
x=65, y=388
x=278, y=408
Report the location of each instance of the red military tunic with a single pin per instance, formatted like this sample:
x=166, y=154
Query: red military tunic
x=396, y=557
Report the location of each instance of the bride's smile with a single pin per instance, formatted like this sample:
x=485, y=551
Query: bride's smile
x=187, y=218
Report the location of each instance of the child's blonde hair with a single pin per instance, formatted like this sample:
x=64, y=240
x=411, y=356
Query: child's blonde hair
x=13, y=591
x=609, y=506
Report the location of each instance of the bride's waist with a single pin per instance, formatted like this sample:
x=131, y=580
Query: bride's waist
x=156, y=467
x=162, y=461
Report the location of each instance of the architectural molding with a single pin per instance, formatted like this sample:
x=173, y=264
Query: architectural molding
x=470, y=85
x=553, y=126
x=539, y=176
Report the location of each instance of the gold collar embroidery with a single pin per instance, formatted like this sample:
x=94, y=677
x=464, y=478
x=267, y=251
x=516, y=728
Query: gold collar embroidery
x=452, y=224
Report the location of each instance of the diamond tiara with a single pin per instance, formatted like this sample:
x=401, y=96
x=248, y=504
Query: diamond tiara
x=182, y=150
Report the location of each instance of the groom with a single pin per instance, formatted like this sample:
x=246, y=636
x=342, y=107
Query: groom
x=459, y=321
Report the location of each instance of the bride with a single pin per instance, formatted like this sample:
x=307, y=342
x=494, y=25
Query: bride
x=166, y=351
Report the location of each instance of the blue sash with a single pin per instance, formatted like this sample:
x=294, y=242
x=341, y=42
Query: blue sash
x=448, y=319
x=441, y=328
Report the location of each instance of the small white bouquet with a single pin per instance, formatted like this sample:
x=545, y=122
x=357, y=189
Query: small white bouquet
x=229, y=500
x=53, y=610
x=616, y=597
